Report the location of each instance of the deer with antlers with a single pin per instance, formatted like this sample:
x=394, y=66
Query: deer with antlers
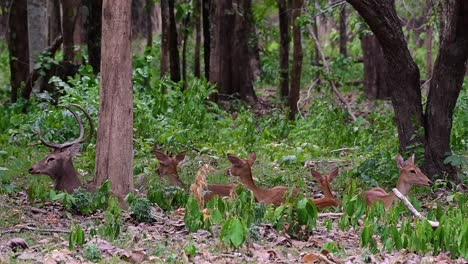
x=410, y=175
x=58, y=164
x=242, y=168
x=168, y=165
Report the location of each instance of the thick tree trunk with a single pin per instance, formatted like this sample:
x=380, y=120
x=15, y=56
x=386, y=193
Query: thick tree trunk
x=446, y=84
x=114, y=146
x=222, y=23
x=18, y=46
x=174, y=62
x=230, y=65
x=196, y=55
x=149, y=8
x=343, y=32
x=284, y=48
x=297, y=61
x=37, y=29
x=206, y=10
x=402, y=71
x=93, y=27
x=164, y=63
x=241, y=58
x=55, y=21
x=375, y=85
x=69, y=17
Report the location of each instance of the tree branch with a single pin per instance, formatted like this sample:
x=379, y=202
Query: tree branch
x=412, y=209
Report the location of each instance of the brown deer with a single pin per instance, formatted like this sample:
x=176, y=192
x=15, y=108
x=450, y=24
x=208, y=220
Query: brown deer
x=168, y=168
x=277, y=195
x=58, y=164
x=410, y=175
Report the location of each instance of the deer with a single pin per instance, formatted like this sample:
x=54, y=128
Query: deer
x=410, y=175
x=168, y=168
x=241, y=168
x=58, y=164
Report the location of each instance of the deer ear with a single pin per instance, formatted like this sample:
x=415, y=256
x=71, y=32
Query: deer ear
x=73, y=150
x=333, y=174
x=180, y=157
x=163, y=158
x=316, y=174
x=400, y=161
x=411, y=160
x=234, y=159
x=252, y=157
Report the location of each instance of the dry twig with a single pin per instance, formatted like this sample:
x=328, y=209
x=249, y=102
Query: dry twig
x=411, y=207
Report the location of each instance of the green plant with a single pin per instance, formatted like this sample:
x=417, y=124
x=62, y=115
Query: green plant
x=112, y=220
x=140, y=208
x=193, y=217
x=92, y=253
x=77, y=236
x=233, y=232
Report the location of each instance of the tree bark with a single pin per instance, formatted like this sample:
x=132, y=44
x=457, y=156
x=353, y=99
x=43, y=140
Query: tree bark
x=446, y=83
x=93, y=27
x=297, y=61
x=206, y=10
x=284, y=48
x=343, y=32
x=402, y=71
x=164, y=63
x=114, y=146
x=55, y=21
x=375, y=85
x=428, y=42
x=17, y=39
x=196, y=55
x=69, y=16
x=37, y=29
x=174, y=62
x=149, y=8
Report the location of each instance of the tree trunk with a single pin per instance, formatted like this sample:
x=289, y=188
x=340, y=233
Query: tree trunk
x=343, y=32
x=149, y=8
x=375, y=85
x=196, y=56
x=206, y=10
x=297, y=60
x=114, y=146
x=185, y=32
x=138, y=19
x=446, y=84
x=222, y=22
x=164, y=63
x=55, y=21
x=402, y=71
x=428, y=42
x=230, y=65
x=37, y=29
x=18, y=46
x=174, y=62
x=242, y=74
x=93, y=27
x=284, y=48
x=69, y=17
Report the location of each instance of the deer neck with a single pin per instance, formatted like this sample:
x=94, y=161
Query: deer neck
x=402, y=185
x=66, y=179
x=248, y=182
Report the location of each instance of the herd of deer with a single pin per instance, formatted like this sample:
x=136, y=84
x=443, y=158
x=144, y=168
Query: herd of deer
x=58, y=165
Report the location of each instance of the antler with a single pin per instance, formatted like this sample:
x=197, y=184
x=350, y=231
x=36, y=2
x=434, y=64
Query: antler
x=80, y=139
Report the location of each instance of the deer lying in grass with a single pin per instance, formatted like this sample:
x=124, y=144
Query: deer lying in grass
x=58, y=164
x=410, y=175
x=277, y=195
x=168, y=168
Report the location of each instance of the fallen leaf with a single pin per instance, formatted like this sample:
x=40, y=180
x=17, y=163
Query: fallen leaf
x=17, y=242
x=310, y=258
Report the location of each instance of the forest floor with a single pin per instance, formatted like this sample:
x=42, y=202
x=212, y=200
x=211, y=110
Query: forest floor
x=40, y=235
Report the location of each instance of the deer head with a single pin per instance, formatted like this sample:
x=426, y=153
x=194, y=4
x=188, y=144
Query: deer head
x=325, y=180
x=242, y=168
x=410, y=174
x=168, y=166
x=58, y=164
